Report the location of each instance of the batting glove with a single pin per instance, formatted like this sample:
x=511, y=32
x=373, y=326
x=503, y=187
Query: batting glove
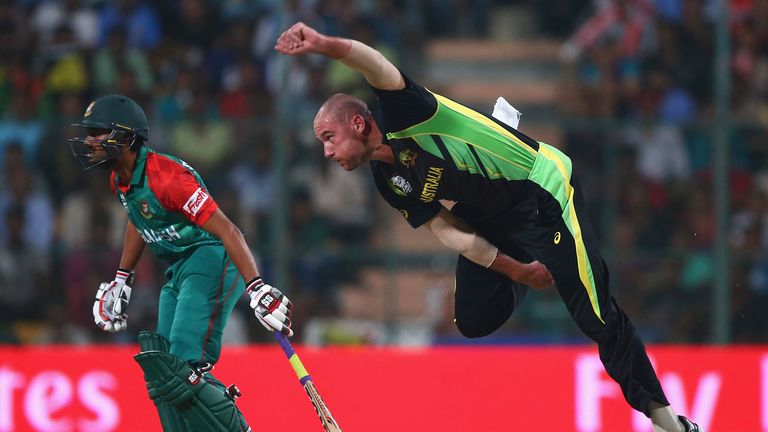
x=271, y=307
x=111, y=305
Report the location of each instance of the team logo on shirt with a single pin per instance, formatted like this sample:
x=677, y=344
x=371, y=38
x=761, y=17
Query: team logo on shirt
x=407, y=157
x=196, y=201
x=404, y=213
x=144, y=210
x=400, y=185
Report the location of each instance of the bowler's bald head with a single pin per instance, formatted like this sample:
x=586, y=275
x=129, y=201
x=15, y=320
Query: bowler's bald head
x=341, y=107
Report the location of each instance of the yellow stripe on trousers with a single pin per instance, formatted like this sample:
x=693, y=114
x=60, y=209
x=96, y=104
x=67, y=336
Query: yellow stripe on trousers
x=581, y=250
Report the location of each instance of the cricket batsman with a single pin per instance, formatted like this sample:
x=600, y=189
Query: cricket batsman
x=210, y=266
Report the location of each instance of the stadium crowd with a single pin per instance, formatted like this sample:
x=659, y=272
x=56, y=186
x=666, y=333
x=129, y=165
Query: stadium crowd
x=209, y=79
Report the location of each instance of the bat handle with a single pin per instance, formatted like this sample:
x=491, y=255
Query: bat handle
x=284, y=344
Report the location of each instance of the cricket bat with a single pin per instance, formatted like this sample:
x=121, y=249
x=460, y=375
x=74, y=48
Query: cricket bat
x=326, y=419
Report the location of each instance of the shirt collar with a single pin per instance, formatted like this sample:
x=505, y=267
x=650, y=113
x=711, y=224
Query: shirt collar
x=138, y=166
x=378, y=117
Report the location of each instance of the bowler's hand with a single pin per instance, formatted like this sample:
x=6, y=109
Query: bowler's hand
x=299, y=39
x=535, y=275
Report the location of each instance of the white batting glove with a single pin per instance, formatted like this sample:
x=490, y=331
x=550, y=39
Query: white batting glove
x=271, y=307
x=111, y=305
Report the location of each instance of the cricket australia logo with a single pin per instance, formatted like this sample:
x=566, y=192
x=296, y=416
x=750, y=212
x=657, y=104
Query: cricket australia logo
x=407, y=157
x=400, y=185
x=144, y=210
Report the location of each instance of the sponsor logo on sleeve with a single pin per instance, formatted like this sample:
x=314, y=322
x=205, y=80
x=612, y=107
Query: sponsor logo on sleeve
x=196, y=201
x=399, y=185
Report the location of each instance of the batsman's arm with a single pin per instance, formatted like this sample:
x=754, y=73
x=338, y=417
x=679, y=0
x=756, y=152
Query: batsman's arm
x=234, y=243
x=377, y=70
x=133, y=246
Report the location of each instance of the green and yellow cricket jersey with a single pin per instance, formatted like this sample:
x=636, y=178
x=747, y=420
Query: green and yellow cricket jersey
x=167, y=202
x=445, y=150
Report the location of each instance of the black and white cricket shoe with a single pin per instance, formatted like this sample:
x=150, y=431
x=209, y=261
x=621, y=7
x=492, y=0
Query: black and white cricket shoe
x=688, y=425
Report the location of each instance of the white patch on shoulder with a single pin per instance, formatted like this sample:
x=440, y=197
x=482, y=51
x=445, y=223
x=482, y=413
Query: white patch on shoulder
x=196, y=201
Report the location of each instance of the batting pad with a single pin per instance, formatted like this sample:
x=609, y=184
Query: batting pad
x=170, y=418
x=149, y=341
x=173, y=381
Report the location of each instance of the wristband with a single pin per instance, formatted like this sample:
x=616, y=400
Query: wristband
x=124, y=276
x=254, y=284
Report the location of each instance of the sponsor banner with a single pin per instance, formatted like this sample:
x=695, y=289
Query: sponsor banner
x=490, y=389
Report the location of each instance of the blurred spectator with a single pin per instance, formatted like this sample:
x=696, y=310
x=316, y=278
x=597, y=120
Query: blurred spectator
x=554, y=18
x=21, y=125
x=193, y=24
x=662, y=155
x=37, y=228
x=245, y=94
x=23, y=269
x=277, y=68
x=13, y=33
x=116, y=58
x=202, y=138
x=344, y=199
x=52, y=14
x=749, y=225
x=172, y=103
x=695, y=42
x=308, y=242
x=93, y=208
x=137, y=17
x=468, y=18
x=65, y=62
x=628, y=21
x=62, y=174
x=253, y=179
x=235, y=10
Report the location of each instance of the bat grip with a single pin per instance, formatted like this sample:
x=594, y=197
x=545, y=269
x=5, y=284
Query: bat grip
x=284, y=344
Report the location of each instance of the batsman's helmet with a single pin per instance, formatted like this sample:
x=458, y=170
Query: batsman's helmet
x=121, y=118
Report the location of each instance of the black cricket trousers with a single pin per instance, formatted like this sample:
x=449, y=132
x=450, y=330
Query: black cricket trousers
x=538, y=229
